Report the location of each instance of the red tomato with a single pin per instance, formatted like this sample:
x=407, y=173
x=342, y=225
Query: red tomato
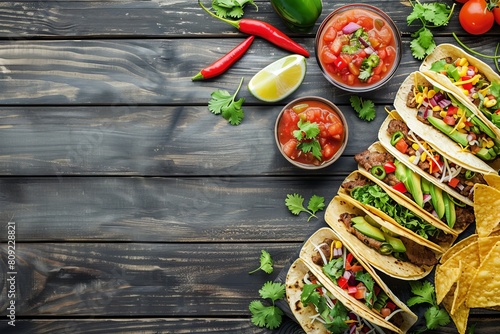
x=475, y=18
x=496, y=14
x=461, y=1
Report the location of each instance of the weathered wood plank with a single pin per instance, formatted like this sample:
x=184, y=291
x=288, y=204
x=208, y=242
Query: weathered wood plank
x=140, y=72
x=154, y=141
x=198, y=209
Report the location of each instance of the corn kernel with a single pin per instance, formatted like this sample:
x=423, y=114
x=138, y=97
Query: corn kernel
x=412, y=158
x=425, y=91
x=436, y=108
x=461, y=125
x=464, y=62
x=463, y=71
x=466, y=92
x=484, y=143
x=442, y=113
x=423, y=156
x=420, y=99
x=431, y=93
x=489, y=103
x=338, y=244
x=415, y=146
x=490, y=143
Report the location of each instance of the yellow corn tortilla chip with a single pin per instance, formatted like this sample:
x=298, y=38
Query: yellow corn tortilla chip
x=493, y=180
x=458, y=246
x=463, y=284
x=460, y=316
x=468, y=254
x=486, y=202
x=444, y=279
x=485, y=245
x=485, y=288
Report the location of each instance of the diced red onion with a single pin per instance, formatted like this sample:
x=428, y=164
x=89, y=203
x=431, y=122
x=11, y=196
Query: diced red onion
x=460, y=186
x=470, y=137
x=433, y=102
x=438, y=96
x=470, y=72
x=350, y=27
x=434, y=213
x=427, y=198
x=363, y=42
x=474, y=142
x=369, y=50
x=353, y=329
x=347, y=274
x=444, y=103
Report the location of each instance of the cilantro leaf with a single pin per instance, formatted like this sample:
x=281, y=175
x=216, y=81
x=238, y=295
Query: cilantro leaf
x=364, y=108
x=424, y=293
x=231, y=8
x=306, y=136
x=334, y=269
x=272, y=290
x=265, y=316
x=369, y=283
x=310, y=295
x=222, y=102
x=295, y=204
x=266, y=263
x=436, y=317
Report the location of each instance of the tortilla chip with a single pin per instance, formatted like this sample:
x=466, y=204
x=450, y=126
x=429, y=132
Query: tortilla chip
x=485, y=245
x=493, y=180
x=460, y=316
x=458, y=246
x=463, y=284
x=444, y=279
x=468, y=254
x=485, y=288
x=486, y=202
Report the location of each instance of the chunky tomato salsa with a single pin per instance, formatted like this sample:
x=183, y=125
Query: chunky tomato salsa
x=310, y=132
x=357, y=47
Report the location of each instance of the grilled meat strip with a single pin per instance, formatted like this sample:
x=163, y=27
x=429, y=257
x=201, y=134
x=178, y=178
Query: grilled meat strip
x=418, y=254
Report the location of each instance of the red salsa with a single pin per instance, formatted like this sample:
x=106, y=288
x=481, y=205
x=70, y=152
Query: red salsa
x=357, y=47
x=310, y=132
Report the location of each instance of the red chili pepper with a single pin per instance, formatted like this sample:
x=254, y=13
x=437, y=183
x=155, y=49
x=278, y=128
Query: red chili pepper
x=400, y=187
x=224, y=63
x=389, y=167
x=264, y=30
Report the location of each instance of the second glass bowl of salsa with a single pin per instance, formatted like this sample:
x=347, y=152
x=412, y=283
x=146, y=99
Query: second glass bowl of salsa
x=358, y=48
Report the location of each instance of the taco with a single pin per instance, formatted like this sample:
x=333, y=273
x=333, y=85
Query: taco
x=468, y=78
x=433, y=162
x=397, y=211
x=386, y=247
x=440, y=118
x=319, y=311
x=349, y=277
x=393, y=175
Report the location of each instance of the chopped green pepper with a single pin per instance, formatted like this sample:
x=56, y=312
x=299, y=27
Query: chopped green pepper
x=378, y=171
x=396, y=136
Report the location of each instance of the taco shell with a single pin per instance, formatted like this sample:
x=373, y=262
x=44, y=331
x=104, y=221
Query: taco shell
x=431, y=135
x=385, y=263
x=309, y=249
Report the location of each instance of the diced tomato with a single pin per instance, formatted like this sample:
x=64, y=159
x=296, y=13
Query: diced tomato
x=330, y=34
x=452, y=110
x=327, y=56
x=468, y=85
x=353, y=69
x=401, y=146
x=342, y=282
x=450, y=120
x=349, y=258
x=400, y=187
x=453, y=182
x=352, y=290
x=389, y=167
x=361, y=291
x=327, y=152
x=336, y=45
x=340, y=63
x=350, y=79
x=336, y=130
x=385, y=312
x=290, y=148
x=433, y=167
x=382, y=54
x=391, y=305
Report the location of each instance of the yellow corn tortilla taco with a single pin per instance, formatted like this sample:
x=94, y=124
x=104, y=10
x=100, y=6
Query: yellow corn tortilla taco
x=468, y=78
x=433, y=162
x=381, y=244
x=377, y=164
x=397, y=211
x=449, y=123
x=308, y=299
x=348, y=276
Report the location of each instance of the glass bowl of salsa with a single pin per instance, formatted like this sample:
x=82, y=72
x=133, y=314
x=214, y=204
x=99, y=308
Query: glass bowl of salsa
x=311, y=132
x=358, y=48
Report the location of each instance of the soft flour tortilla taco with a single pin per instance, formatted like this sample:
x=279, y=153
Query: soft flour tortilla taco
x=440, y=118
x=386, y=247
x=468, y=78
x=398, y=211
x=319, y=311
x=349, y=277
x=383, y=168
x=432, y=162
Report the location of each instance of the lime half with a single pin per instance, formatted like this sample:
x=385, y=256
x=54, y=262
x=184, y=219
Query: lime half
x=279, y=79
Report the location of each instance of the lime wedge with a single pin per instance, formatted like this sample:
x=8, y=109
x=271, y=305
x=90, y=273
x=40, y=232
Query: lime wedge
x=279, y=79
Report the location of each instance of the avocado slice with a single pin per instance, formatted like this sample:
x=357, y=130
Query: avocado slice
x=413, y=184
x=400, y=171
x=371, y=221
x=426, y=186
x=370, y=231
x=437, y=200
x=459, y=137
x=396, y=243
x=450, y=213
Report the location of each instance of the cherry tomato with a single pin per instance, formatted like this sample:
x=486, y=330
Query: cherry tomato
x=475, y=18
x=496, y=14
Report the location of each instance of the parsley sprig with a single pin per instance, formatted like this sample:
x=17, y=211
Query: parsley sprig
x=364, y=108
x=431, y=15
x=295, y=204
x=269, y=316
x=231, y=8
x=424, y=293
x=266, y=263
x=222, y=102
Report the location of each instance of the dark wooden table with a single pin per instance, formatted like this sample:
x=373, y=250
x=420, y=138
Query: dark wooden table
x=136, y=209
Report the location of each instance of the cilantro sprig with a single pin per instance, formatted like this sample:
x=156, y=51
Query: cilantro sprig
x=295, y=204
x=231, y=8
x=269, y=316
x=364, y=108
x=431, y=15
x=222, y=102
x=266, y=263
x=424, y=293
x=307, y=135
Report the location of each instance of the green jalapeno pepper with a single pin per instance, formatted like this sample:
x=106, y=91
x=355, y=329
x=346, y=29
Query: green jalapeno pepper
x=396, y=137
x=378, y=171
x=469, y=174
x=299, y=15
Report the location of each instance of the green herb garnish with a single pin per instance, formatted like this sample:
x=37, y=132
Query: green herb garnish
x=364, y=108
x=307, y=137
x=266, y=263
x=424, y=293
x=269, y=316
x=231, y=8
x=222, y=102
x=295, y=205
